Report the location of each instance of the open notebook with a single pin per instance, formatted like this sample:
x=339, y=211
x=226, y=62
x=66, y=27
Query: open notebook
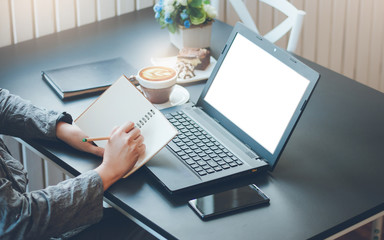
x=123, y=102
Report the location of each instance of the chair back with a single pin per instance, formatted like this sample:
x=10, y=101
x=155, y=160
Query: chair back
x=292, y=23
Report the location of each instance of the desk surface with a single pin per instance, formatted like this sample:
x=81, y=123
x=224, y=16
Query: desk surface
x=328, y=178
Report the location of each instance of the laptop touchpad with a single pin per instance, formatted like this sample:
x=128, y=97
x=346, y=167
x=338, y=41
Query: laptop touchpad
x=171, y=171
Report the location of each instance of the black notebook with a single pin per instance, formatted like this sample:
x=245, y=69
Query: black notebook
x=86, y=78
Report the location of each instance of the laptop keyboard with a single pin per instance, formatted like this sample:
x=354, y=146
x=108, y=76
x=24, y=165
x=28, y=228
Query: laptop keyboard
x=197, y=148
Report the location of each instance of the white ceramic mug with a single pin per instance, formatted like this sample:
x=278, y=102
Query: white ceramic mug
x=157, y=82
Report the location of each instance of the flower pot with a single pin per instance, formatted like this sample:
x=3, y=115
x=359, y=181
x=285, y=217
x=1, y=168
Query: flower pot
x=193, y=37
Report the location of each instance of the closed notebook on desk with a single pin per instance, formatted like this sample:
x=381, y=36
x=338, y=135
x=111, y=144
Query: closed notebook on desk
x=123, y=102
x=86, y=78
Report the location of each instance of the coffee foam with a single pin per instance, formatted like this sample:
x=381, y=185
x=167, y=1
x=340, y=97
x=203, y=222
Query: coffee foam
x=157, y=77
x=157, y=73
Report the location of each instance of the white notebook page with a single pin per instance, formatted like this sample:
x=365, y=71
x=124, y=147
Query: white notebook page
x=120, y=103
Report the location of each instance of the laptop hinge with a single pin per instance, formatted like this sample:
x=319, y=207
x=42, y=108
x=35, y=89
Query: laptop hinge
x=251, y=153
x=262, y=159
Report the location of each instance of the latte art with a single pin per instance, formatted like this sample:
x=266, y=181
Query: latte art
x=157, y=73
x=157, y=82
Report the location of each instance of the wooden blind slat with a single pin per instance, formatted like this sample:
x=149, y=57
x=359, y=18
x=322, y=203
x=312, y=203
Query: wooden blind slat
x=350, y=38
x=252, y=8
x=125, y=6
x=44, y=17
x=33, y=164
x=105, y=9
x=140, y=4
x=85, y=11
x=299, y=4
x=22, y=20
x=65, y=14
x=376, y=45
x=5, y=24
x=309, y=30
x=324, y=33
x=53, y=175
x=231, y=16
x=363, y=46
x=279, y=17
x=381, y=85
x=337, y=35
x=265, y=18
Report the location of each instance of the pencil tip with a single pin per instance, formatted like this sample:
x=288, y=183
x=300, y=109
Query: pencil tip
x=84, y=139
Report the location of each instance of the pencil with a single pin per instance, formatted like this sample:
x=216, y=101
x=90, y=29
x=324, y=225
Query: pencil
x=95, y=139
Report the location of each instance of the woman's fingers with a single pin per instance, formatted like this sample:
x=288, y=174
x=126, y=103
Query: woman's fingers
x=127, y=127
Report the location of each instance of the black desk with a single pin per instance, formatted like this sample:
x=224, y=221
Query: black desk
x=328, y=178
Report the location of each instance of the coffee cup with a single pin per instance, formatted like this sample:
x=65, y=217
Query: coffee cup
x=157, y=82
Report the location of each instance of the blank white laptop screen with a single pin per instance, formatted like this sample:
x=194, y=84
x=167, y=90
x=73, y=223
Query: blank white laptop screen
x=256, y=92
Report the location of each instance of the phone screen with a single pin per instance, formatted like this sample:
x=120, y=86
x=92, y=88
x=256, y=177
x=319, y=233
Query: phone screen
x=228, y=201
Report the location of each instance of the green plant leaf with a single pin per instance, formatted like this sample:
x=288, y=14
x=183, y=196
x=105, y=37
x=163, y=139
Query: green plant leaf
x=196, y=3
x=171, y=28
x=198, y=16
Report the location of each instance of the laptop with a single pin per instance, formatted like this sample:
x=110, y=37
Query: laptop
x=243, y=118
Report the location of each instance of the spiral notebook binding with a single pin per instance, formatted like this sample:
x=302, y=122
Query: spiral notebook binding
x=140, y=123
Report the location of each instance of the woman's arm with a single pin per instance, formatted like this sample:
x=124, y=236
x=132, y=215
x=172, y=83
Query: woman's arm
x=52, y=211
x=20, y=118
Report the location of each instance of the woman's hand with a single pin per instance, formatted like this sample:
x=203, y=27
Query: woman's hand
x=121, y=153
x=73, y=136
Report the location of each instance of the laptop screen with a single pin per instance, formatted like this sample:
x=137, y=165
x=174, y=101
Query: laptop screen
x=258, y=91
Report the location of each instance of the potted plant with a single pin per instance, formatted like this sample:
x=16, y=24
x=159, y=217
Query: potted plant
x=189, y=22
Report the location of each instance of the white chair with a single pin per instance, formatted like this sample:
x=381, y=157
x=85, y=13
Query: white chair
x=293, y=22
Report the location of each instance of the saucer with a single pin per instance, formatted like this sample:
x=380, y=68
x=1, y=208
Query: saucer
x=179, y=96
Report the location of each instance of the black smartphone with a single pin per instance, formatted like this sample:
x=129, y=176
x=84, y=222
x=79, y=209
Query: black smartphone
x=229, y=201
